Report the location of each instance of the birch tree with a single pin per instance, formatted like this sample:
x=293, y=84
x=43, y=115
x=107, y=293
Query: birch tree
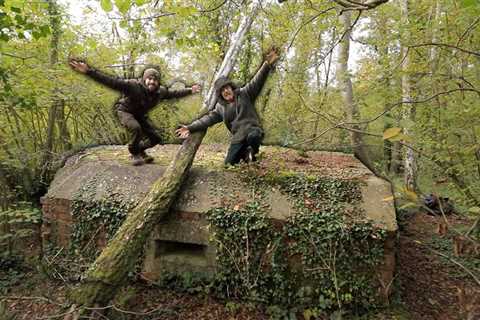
x=410, y=161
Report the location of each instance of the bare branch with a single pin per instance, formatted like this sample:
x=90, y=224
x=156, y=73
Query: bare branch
x=356, y=5
x=470, y=28
x=445, y=45
x=17, y=57
x=306, y=23
x=167, y=14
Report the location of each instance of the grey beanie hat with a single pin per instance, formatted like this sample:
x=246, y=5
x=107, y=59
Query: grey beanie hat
x=151, y=73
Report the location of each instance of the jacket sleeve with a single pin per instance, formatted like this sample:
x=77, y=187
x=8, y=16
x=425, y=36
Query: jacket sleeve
x=116, y=83
x=255, y=85
x=205, y=121
x=172, y=94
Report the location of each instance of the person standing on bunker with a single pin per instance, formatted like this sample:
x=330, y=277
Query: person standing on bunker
x=236, y=108
x=138, y=97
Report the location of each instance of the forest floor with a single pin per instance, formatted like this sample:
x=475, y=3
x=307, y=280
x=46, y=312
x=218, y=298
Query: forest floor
x=426, y=287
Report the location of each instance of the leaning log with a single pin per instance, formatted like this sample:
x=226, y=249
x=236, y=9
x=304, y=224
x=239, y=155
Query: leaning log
x=109, y=271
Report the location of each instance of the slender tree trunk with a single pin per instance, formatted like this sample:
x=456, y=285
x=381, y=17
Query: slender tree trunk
x=56, y=101
x=110, y=269
x=63, y=131
x=351, y=107
x=410, y=163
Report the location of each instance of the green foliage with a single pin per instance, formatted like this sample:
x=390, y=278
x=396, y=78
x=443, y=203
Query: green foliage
x=12, y=272
x=16, y=22
x=320, y=258
x=106, y=5
x=96, y=218
x=17, y=223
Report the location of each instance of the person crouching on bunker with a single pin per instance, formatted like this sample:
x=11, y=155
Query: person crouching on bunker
x=138, y=97
x=236, y=107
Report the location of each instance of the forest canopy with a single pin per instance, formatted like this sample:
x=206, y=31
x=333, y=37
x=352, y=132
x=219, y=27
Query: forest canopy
x=395, y=82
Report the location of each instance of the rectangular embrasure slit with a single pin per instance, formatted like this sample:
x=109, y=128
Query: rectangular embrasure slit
x=166, y=248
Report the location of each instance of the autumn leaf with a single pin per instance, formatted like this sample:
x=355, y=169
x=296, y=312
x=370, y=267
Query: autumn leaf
x=391, y=132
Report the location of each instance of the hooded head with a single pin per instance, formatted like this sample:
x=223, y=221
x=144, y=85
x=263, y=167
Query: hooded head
x=151, y=79
x=220, y=84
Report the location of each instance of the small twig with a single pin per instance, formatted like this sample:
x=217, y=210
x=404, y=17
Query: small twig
x=471, y=27
x=30, y=298
x=447, y=46
x=92, y=238
x=17, y=57
x=306, y=23
x=55, y=256
x=474, y=226
x=457, y=263
x=451, y=260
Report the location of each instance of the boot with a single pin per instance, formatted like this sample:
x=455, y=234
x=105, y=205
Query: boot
x=250, y=155
x=147, y=158
x=137, y=160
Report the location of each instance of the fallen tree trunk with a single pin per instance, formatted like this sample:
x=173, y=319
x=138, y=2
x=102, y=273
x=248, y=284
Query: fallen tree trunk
x=109, y=271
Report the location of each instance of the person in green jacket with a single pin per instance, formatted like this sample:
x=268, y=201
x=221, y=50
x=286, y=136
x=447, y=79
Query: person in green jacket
x=236, y=108
x=138, y=97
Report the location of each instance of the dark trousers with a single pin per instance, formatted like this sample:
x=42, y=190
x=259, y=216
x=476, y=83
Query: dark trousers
x=238, y=151
x=139, y=128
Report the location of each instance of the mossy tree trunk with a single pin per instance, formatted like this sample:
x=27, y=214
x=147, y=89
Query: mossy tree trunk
x=106, y=275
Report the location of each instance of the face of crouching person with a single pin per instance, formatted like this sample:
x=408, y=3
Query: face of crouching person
x=151, y=79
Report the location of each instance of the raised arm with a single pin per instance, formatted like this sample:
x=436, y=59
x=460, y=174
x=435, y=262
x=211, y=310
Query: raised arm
x=255, y=85
x=172, y=94
x=116, y=83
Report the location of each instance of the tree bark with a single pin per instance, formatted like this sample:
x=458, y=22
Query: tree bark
x=57, y=103
x=351, y=107
x=109, y=271
x=410, y=162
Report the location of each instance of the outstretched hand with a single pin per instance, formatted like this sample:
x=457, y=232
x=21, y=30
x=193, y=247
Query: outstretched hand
x=183, y=132
x=196, y=88
x=78, y=65
x=272, y=56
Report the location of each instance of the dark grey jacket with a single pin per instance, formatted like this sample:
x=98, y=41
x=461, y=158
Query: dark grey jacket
x=135, y=99
x=239, y=116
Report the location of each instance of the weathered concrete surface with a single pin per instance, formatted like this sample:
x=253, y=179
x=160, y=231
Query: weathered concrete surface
x=181, y=242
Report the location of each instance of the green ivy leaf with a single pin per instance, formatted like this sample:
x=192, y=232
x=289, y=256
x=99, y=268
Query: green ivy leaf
x=106, y=5
x=140, y=2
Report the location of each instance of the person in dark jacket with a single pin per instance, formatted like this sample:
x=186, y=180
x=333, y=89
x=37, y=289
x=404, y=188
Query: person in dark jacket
x=138, y=97
x=236, y=107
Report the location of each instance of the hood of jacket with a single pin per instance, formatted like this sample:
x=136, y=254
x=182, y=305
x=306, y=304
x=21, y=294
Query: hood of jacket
x=219, y=84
